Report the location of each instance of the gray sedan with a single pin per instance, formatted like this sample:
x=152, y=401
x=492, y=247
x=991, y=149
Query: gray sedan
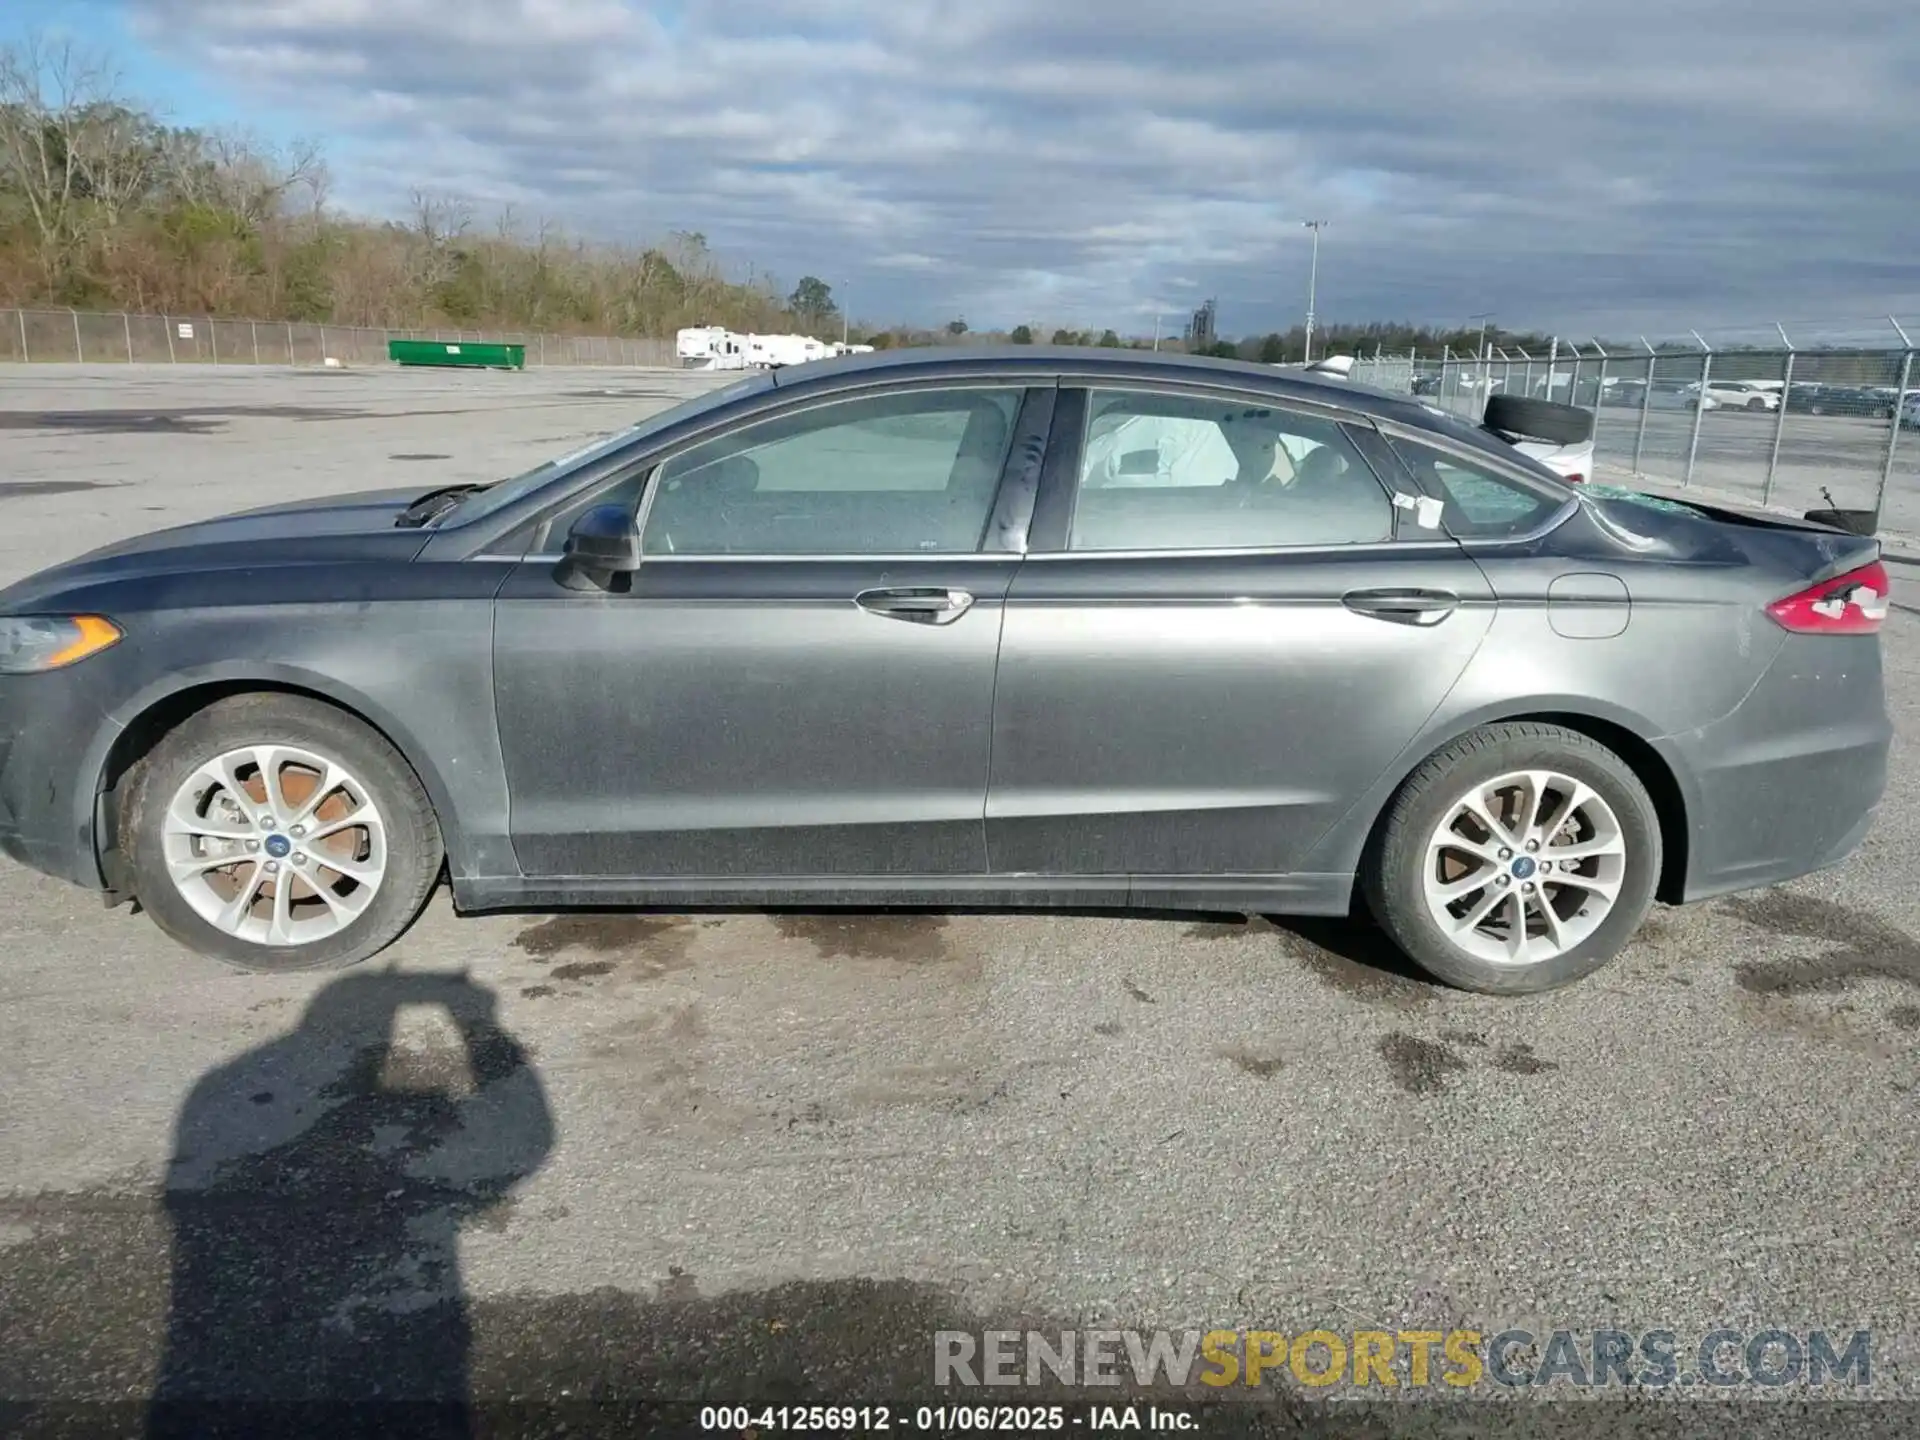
x=965, y=628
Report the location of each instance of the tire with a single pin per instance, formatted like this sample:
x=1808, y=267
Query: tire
x=1394, y=877
x=399, y=836
x=1538, y=419
x=1756, y=404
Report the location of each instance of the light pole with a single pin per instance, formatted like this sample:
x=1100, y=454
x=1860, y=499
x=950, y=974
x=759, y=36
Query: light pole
x=1313, y=280
x=1480, y=354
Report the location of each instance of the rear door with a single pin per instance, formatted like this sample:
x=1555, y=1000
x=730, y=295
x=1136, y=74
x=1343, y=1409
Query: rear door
x=1226, y=627
x=798, y=680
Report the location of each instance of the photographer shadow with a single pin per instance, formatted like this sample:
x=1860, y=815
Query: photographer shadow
x=316, y=1193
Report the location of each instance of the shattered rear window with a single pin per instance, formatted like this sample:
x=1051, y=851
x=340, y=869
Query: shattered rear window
x=1638, y=497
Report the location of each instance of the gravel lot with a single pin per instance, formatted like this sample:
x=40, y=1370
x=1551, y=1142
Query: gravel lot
x=767, y=1156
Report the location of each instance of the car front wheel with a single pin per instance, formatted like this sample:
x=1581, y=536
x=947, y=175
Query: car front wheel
x=1518, y=859
x=278, y=833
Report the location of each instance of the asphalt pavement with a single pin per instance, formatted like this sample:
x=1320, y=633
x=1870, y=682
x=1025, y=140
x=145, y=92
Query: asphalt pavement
x=542, y=1160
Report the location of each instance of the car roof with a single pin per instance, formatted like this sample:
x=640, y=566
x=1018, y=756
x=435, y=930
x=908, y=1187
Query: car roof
x=1097, y=364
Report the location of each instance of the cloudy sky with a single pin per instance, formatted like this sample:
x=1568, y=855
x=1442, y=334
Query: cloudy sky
x=1574, y=166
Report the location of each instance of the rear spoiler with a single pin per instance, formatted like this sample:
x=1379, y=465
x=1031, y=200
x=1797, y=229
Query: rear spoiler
x=1840, y=550
x=1772, y=520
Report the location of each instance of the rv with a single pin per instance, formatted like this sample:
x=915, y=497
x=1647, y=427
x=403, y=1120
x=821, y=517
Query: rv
x=710, y=347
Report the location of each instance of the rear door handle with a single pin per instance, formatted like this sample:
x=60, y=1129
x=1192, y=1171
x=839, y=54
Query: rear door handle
x=1403, y=607
x=923, y=605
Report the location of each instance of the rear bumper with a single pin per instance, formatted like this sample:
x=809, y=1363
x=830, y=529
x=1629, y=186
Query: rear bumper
x=1791, y=781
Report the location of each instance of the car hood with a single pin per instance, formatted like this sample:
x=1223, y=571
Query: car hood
x=341, y=527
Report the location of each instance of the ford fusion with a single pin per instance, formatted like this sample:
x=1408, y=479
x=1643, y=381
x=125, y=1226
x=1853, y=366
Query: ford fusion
x=974, y=629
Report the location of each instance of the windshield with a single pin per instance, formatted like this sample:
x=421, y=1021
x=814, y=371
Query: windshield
x=497, y=496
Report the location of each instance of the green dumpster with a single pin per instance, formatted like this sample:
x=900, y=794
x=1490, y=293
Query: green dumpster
x=474, y=354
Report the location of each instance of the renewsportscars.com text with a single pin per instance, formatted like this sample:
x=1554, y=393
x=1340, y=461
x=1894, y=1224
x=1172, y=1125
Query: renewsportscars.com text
x=1416, y=1359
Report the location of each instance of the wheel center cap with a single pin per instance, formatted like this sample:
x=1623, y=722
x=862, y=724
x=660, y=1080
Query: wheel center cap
x=1523, y=868
x=279, y=847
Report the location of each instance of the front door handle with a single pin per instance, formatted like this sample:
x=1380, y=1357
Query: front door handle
x=1403, y=607
x=923, y=605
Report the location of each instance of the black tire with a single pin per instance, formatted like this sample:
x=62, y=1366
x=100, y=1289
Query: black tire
x=413, y=842
x=1547, y=420
x=1392, y=877
x=1756, y=404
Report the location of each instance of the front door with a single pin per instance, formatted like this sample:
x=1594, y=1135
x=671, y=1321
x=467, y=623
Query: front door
x=798, y=681
x=1226, y=630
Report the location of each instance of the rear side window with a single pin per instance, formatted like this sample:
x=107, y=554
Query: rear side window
x=1479, y=503
x=1180, y=472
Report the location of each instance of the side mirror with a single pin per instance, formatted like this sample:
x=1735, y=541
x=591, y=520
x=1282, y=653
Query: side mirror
x=603, y=543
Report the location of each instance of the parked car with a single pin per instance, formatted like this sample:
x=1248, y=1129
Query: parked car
x=1751, y=395
x=955, y=627
x=1910, y=411
x=1559, y=436
x=1679, y=395
x=1859, y=401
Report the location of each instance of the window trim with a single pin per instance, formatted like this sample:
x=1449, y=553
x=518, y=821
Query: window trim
x=1060, y=479
x=1471, y=455
x=1031, y=424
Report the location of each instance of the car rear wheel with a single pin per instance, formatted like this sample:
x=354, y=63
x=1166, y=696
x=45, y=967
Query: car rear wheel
x=279, y=834
x=1519, y=859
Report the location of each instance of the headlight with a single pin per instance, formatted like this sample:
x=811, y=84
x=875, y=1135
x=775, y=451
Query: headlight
x=31, y=643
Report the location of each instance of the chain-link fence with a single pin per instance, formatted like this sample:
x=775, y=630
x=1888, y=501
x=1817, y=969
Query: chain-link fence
x=93, y=338
x=1782, y=427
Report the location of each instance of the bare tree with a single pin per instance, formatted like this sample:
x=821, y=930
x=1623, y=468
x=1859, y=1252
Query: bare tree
x=57, y=114
x=235, y=171
x=439, y=218
x=114, y=156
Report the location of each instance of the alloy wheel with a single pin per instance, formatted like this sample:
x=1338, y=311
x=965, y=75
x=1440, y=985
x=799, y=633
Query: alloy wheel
x=1524, y=867
x=275, y=844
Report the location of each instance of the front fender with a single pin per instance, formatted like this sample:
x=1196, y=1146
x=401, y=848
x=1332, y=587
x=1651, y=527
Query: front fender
x=438, y=713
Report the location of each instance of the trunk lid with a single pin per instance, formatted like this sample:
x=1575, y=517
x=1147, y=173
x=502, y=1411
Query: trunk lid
x=1797, y=549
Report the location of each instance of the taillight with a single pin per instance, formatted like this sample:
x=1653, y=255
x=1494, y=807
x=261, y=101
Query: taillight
x=1851, y=604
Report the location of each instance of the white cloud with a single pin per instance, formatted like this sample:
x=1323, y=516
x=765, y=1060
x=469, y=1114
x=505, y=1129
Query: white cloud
x=1010, y=160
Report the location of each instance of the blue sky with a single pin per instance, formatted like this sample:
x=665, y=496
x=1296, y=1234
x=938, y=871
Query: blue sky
x=172, y=80
x=1637, y=165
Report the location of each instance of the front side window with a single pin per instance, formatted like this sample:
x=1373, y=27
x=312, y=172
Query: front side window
x=1173, y=472
x=899, y=474
x=1478, y=503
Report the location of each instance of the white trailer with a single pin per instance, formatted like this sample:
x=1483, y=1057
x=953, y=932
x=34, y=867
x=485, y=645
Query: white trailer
x=710, y=347
x=775, y=351
x=713, y=347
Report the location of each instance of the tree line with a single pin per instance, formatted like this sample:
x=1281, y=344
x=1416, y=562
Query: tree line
x=103, y=206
